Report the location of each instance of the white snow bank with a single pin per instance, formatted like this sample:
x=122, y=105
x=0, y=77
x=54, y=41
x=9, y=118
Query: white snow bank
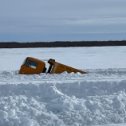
x=47, y=100
x=46, y=105
x=25, y=111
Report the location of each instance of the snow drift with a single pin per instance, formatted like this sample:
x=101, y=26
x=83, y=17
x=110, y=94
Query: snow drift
x=65, y=99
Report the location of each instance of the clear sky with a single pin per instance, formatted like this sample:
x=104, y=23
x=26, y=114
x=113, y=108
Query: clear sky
x=51, y=20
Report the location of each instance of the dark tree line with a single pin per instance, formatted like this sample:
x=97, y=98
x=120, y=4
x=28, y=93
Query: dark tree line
x=61, y=44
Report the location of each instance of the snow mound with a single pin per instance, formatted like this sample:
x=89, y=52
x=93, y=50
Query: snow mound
x=25, y=111
x=97, y=98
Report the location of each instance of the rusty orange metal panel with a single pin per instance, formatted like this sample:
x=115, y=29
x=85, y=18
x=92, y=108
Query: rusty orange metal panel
x=32, y=66
x=56, y=67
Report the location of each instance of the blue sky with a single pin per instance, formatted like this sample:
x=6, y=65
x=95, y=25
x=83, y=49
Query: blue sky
x=53, y=20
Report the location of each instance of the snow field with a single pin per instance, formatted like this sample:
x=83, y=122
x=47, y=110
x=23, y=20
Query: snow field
x=95, y=99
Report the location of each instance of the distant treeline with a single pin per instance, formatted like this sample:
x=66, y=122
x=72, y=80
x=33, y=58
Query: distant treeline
x=61, y=44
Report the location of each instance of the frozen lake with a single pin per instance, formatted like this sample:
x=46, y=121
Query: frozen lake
x=97, y=98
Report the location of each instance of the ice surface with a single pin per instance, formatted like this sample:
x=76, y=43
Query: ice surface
x=95, y=99
x=82, y=58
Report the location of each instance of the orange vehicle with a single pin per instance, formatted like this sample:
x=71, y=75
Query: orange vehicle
x=32, y=66
x=56, y=67
x=35, y=66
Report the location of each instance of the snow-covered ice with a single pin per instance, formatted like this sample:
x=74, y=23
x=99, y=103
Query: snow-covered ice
x=96, y=99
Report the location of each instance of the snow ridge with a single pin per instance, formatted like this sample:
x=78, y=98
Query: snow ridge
x=66, y=99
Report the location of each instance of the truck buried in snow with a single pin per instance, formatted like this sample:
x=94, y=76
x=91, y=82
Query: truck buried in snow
x=35, y=66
